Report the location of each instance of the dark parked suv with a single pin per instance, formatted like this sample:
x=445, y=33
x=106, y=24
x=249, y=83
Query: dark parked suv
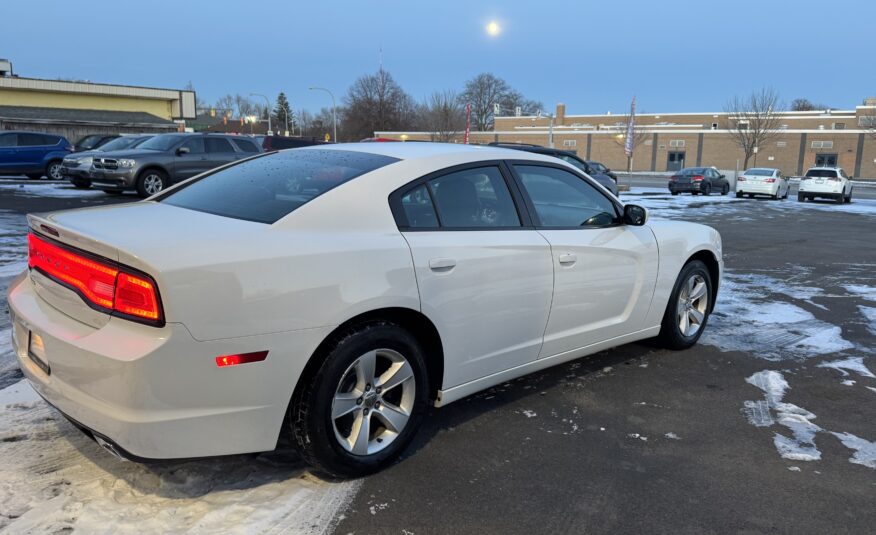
x=609, y=182
x=33, y=154
x=166, y=159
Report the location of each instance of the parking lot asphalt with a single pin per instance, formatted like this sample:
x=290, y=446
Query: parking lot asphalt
x=766, y=426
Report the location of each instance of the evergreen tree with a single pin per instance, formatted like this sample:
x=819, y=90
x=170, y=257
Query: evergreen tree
x=283, y=113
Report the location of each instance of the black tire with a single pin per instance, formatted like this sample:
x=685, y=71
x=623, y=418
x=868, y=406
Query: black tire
x=848, y=199
x=726, y=189
x=707, y=188
x=150, y=182
x=81, y=184
x=801, y=197
x=54, y=170
x=674, y=192
x=840, y=199
x=34, y=176
x=738, y=194
x=312, y=427
x=113, y=191
x=670, y=335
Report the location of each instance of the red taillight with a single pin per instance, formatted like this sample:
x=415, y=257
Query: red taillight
x=740, y=179
x=243, y=358
x=100, y=283
x=673, y=178
x=769, y=180
x=698, y=178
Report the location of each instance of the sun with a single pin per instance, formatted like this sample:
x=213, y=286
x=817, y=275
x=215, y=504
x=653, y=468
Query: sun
x=493, y=29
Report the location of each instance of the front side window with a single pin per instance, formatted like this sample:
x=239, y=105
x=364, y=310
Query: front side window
x=267, y=188
x=564, y=200
x=195, y=145
x=474, y=198
x=218, y=144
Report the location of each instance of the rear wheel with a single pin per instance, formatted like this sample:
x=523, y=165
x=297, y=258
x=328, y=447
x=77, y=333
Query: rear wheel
x=34, y=176
x=840, y=199
x=707, y=189
x=801, y=197
x=674, y=192
x=362, y=407
x=151, y=181
x=738, y=194
x=688, y=309
x=53, y=170
x=849, y=197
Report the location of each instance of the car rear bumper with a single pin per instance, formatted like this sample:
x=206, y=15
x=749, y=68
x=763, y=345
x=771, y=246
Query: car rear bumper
x=682, y=187
x=157, y=393
x=757, y=188
x=826, y=188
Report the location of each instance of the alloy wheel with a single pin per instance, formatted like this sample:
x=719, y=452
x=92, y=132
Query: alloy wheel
x=373, y=401
x=153, y=183
x=55, y=172
x=693, y=302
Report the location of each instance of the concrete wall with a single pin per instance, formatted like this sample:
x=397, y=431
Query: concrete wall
x=15, y=97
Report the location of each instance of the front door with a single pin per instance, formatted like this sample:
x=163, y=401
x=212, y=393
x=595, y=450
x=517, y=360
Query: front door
x=604, y=271
x=484, y=280
x=825, y=160
x=193, y=162
x=675, y=161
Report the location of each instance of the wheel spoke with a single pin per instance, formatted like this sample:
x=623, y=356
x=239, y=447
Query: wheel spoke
x=698, y=290
x=344, y=403
x=397, y=374
x=696, y=316
x=393, y=417
x=685, y=323
x=360, y=434
x=365, y=367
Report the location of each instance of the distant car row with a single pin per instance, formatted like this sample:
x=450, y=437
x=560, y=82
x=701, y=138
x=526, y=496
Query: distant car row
x=818, y=182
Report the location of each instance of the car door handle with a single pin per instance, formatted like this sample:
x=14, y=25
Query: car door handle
x=568, y=258
x=442, y=264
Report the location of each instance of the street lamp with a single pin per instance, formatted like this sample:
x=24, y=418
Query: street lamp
x=334, y=109
x=268, y=102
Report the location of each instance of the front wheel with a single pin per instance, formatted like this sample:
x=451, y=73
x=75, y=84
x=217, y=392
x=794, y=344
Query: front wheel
x=362, y=407
x=151, y=181
x=726, y=189
x=34, y=176
x=81, y=184
x=688, y=309
x=801, y=197
x=53, y=170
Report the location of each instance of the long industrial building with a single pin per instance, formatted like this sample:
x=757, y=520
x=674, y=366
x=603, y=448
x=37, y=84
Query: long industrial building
x=669, y=141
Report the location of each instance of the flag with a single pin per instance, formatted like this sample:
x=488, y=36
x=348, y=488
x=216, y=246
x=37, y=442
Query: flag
x=467, y=122
x=631, y=125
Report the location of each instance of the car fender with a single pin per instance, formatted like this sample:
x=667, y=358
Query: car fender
x=677, y=243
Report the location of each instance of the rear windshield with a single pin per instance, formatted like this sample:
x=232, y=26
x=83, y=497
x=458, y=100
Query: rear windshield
x=268, y=188
x=759, y=172
x=692, y=171
x=821, y=172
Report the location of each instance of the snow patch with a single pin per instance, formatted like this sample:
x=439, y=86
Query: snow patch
x=64, y=189
x=794, y=468
x=865, y=451
x=870, y=314
x=855, y=364
x=672, y=436
x=529, y=414
x=801, y=446
x=862, y=291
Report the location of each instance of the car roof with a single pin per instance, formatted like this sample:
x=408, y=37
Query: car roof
x=831, y=168
x=410, y=151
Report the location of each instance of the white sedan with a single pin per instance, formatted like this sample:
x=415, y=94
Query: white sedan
x=331, y=293
x=763, y=181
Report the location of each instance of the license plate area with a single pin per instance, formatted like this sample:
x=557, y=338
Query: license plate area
x=35, y=347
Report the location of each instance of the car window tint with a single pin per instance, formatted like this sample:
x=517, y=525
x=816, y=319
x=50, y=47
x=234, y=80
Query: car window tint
x=246, y=145
x=562, y=199
x=821, y=173
x=195, y=145
x=8, y=140
x=218, y=144
x=31, y=140
x=267, y=188
x=474, y=198
x=419, y=210
x=575, y=162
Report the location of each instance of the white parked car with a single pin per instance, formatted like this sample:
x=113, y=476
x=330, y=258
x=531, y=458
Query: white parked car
x=762, y=181
x=333, y=292
x=827, y=183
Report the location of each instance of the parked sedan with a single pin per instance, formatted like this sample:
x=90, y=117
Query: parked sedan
x=762, y=181
x=826, y=183
x=425, y=273
x=77, y=167
x=699, y=180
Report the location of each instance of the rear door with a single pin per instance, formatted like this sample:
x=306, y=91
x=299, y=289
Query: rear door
x=32, y=148
x=604, y=271
x=220, y=151
x=484, y=274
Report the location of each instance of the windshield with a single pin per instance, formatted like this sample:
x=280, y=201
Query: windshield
x=829, y=173
x=692, y=171
x=759, y=172
x=121, y=143
x=268, y=188
x=88, y=142
x=161, y=142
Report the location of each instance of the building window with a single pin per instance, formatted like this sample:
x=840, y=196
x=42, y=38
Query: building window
x=822, y=144
x=676, y=143
x=714, y=126
x=839, y=126
x=570, y=142
x=742, y=125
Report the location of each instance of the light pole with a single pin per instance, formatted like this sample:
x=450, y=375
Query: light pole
x=334, y=110
x=268, y=102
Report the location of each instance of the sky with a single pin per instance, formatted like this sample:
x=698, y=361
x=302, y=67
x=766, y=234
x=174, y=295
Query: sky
x=680, y=56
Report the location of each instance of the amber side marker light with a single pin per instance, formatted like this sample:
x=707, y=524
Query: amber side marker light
x=242, y=358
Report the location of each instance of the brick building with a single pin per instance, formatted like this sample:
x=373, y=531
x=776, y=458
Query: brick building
x=669, y=141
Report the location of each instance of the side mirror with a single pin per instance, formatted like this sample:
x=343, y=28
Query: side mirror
x=182, y=150
x=635, y=215
x=722, y=176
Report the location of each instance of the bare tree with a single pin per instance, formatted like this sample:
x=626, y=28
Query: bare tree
x=376, y=102
x=639, y=135
x=244, y=106
x=804, y=104
x=225, y=105
x=486, y=90
x=754, y=120
x=442, y=115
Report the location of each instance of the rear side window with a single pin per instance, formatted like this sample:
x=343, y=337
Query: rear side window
x=821, y=173
x=246, y=145
x=32, y=140
x=419, y=210
x=218, y=144
x=474, y=198
x=7, y=140
x=268, y=188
